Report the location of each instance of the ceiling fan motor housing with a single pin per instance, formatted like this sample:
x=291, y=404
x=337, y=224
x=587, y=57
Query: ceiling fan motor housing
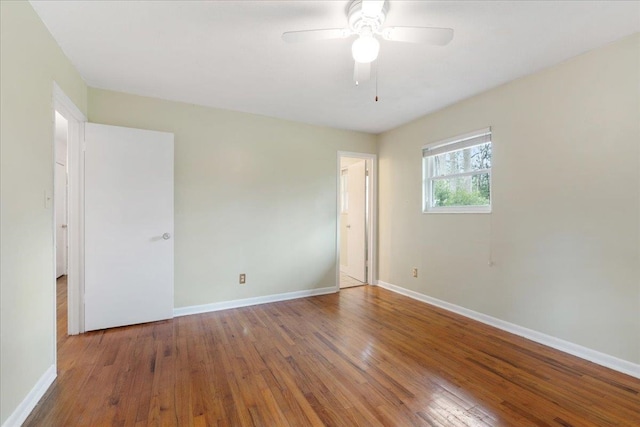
x=360, y=23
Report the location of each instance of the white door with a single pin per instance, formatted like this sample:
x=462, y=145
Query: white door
x=356, y=246
x=60, y=203
x=128, y=226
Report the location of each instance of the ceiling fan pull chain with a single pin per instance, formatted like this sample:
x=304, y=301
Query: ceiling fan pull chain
x=377, y=79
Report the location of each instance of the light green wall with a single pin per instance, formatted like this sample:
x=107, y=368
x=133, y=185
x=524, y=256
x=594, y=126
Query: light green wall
x=257, y=195
x=253, y=195
x=564, y=232
x=30, y=61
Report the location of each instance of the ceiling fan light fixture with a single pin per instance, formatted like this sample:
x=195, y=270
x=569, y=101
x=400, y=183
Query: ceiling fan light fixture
x=365, y=49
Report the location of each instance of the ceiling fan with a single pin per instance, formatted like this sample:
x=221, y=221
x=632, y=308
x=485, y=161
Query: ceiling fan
x=365, y=18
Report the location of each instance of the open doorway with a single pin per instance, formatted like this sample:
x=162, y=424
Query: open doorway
x=61, y=209
x=355, y=219
x=68, y=214
x=60, y=194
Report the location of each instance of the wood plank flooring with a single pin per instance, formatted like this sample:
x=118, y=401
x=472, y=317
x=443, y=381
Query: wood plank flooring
x=362, y=357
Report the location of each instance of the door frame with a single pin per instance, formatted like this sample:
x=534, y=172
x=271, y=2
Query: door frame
x=75, y=212
x=371, y=228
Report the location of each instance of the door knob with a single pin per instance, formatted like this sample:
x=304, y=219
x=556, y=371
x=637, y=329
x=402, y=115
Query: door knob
x=349, y=226
x=166, y=236
x=64, y=226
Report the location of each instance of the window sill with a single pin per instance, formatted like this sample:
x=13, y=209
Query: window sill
x=459, y=210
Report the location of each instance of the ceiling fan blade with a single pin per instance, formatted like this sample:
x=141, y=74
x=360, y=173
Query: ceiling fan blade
x=361, y=72
x=313, y=35
x=430, y=35
x=372, y=7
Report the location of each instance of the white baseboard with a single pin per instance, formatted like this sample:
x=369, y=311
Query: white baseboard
x=31, y=400
x=594, y=356
x=225, y=305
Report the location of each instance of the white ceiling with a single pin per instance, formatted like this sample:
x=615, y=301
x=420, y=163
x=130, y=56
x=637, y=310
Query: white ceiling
x=229, y=54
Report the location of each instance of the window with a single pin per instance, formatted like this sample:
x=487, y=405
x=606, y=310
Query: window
x=457, y=174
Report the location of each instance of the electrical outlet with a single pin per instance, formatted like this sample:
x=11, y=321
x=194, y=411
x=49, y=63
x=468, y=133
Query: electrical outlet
x=243, y=278
x=414, y=272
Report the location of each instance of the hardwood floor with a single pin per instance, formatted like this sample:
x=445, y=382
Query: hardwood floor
x=364, y=356
x=61, y=311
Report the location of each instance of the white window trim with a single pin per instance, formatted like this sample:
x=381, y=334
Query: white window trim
x=452, y=144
